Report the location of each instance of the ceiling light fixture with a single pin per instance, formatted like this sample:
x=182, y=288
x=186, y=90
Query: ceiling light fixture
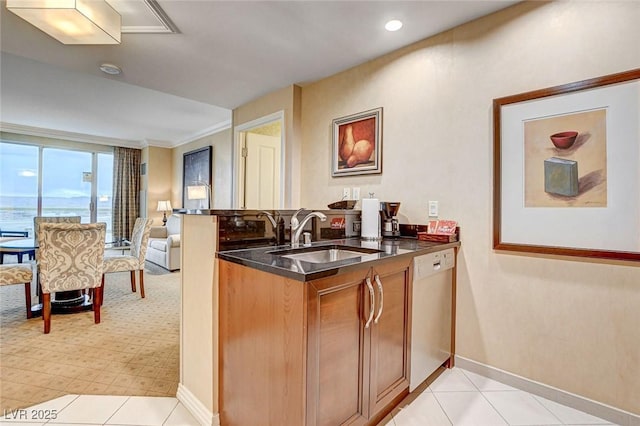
x=110, y=69
x=71, y=21
x=393, y=25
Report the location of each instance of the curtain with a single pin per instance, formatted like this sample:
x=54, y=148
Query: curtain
x=126, y=191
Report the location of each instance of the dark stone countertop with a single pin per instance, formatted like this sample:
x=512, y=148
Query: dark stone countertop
x=264, y=258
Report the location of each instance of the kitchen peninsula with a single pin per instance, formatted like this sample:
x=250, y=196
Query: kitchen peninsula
x=302, y=338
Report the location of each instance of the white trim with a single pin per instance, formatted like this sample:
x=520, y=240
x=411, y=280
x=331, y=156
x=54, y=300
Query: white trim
x=595, y=408
x=218, y=127
x=237, y=184
x=102, y=140
x=145, y=29
x=196, y=407
x=260, y=121
x=69, y=136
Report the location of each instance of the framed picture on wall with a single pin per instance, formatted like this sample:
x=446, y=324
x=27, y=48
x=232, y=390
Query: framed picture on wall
x=567, y=169
x=357, y=144
x=197, y=187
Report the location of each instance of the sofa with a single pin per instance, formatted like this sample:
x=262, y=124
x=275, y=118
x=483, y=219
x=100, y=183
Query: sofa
x=163, y=248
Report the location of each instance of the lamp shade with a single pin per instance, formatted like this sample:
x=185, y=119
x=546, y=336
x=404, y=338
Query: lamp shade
x=197, y=192
x=71, y=21
x=164, y=206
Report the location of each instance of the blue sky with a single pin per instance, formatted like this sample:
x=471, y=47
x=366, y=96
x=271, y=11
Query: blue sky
x=62, y=171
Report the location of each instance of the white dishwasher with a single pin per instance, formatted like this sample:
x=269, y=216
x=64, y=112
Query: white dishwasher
x=431, y=314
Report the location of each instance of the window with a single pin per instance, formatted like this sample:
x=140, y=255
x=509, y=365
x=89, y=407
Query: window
x=46, y=181
x=18, y=186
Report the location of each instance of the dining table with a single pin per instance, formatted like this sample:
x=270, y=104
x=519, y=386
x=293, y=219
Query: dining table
x=62, y=302
x=19, y=247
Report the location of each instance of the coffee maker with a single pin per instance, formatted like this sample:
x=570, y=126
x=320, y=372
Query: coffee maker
x=389, y=223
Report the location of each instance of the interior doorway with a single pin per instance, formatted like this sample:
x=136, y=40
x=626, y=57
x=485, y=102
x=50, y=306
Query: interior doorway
x=258, y=159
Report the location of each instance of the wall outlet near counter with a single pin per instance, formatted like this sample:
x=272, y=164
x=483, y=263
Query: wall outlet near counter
x=346, y=193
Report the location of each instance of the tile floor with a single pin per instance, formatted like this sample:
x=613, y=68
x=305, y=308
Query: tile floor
x=85, y=410
x=457, y=397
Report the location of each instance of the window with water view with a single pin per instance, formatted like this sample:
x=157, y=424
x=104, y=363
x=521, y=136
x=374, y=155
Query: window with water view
x=73, y=183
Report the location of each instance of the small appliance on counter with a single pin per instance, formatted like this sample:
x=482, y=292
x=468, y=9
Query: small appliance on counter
x=388, y=213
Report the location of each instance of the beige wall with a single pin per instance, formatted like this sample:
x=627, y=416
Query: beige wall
x=564, y=322
x=287, y=100
x=159, y=179
x=221, y=168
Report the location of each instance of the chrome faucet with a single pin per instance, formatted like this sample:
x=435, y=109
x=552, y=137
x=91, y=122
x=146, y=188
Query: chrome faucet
x=269, y=216
x=297, y=226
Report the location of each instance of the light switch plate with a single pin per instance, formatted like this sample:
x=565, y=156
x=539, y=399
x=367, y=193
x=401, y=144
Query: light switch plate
x=356, y=193
x=433, y=208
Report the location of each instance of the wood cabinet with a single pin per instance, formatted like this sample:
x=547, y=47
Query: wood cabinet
x=357, y=350
x=326, y=352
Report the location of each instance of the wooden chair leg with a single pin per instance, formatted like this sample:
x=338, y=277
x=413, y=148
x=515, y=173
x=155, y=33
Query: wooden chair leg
x=96, y=304
x=142, y=283
x=27, y=296
x=133, y=281
x=46, y=312
x=101, y=290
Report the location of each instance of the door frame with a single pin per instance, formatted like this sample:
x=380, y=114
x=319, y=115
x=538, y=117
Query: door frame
x=238, y=180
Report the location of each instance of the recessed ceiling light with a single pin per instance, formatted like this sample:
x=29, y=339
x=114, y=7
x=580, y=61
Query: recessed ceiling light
x=110, y=69
x=393, y=25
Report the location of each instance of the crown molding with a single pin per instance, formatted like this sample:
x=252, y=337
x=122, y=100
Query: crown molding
x=218, y=127
x=70, y=136
x=157, y=143
x=102, y=140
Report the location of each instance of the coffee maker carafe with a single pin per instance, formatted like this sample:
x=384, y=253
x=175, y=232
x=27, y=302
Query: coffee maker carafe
x=389, y=223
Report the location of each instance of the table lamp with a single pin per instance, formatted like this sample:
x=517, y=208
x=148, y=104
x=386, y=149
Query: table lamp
x=201, y=191
x=164, y=207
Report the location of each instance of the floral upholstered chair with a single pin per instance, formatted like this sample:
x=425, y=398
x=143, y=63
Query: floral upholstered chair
x=134, y=261
x=18, y=274
x=70, y=257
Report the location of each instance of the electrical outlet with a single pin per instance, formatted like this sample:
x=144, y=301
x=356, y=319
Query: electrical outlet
x=346, y=193
x=356, y=193
x=433, y=208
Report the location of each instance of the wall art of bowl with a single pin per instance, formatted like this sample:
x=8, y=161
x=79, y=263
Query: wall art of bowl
x=564, y=140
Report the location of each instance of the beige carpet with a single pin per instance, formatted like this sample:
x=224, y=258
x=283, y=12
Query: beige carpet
x=133, y=351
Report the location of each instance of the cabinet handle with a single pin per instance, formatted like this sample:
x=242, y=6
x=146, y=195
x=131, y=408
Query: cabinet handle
x=372, y=298
x=377, y=278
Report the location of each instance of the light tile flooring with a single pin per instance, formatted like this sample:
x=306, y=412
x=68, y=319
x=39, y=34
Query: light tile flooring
x=85, y=410
x=457, y=397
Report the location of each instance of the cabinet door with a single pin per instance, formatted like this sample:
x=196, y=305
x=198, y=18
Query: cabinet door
x=337, y=344
x=389, y=336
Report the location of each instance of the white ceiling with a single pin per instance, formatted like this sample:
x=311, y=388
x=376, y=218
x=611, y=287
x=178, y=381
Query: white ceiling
x=176, y=87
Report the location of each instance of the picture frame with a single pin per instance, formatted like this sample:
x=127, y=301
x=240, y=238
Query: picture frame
x=566, y=169
x=197, y=179
x=357, y=144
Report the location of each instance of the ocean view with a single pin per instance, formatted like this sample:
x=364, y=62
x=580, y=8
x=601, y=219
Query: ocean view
x=17, y=213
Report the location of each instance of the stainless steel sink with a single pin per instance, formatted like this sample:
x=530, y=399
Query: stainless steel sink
x=325, y=254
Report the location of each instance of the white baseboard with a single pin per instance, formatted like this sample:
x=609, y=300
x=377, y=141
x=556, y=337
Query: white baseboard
x=197, y=408
x=595, y=408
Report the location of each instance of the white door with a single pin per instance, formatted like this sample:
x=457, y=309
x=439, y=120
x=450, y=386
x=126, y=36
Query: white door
x=262, y=172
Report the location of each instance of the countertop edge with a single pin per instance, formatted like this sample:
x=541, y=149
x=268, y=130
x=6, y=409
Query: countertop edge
x=236, y=256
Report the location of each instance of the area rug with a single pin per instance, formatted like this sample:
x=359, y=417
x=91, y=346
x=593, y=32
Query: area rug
x=133, y=351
